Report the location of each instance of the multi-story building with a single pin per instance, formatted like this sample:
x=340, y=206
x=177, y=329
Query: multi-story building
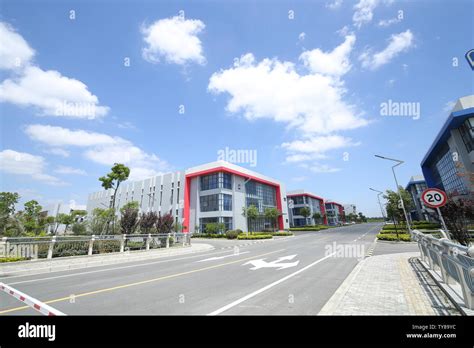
x=214, y=192
x=335, y=213
x=415, y=187
x=218, y=192
x=449, y=162
x=161, y=193
x=350, y=209
x=299, y=199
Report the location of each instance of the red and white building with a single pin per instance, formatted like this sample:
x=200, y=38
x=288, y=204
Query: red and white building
x=299, y=199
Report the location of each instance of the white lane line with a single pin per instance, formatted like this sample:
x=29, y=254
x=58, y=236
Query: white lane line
x=32, y=302
x=259, y=291
x=223, y=257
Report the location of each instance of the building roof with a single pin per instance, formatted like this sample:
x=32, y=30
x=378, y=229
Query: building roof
x=302, y=192
x=415, y=179
x=463, y=109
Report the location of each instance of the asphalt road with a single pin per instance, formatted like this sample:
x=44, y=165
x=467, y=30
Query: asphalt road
x=292, y=275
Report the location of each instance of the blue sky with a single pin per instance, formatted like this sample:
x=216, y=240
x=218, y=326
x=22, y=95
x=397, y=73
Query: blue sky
x=302, y=84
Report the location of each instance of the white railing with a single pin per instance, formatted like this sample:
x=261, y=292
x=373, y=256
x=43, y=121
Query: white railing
x=454, y=263
x=60, y=246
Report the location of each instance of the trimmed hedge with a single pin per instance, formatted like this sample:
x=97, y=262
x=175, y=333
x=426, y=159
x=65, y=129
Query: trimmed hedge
x=393, y=237
x=254, y=236
x=208, y=235
x=12, y=259
x=281, y=234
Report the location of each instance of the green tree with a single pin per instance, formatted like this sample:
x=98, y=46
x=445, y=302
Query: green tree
x=393, y=207
x=317, y=218
x=112, y=180
x=272, y=214
x=49, y=222
x=31, y=217
x=7, y=207
x=305, y=212
x=130, y=205
x=251, y=213
x=79, y=228
x=99, y=220
x=64, y=219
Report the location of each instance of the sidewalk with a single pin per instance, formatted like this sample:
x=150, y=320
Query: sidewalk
x=389, y=284
x=22, y=268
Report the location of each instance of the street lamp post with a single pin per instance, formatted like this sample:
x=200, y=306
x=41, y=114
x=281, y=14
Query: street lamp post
x=378, y=198
x=398, y=189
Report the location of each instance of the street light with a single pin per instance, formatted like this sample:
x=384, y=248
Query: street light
x=378, y=198
x=398, y=189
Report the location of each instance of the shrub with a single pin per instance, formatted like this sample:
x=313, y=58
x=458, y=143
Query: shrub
x=281, y=234
x=106, y=246
x=12, y=259
x=208, y=235
x=232, y=234
x=393, y=237
x=254, y=236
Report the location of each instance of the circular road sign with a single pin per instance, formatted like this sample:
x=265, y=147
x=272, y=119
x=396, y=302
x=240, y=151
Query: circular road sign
x=434, y=198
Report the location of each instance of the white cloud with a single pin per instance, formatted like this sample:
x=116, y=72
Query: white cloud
x=22, y=163
x=101, y=148
x=336, y=62
x=398, y=43
x=59, y=136
x=388, y=22
x=52, y=93
x=364, y=12
x=299, y=178
x=315, y=147
x=57, y=152
x=14, y=50
x=69, y=170
x=323, y=168
x=302, y=36
x=336, y=4
x=313, y=103
x=174, y=39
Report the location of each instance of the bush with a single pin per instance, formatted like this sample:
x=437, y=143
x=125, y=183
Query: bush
x=79, y=229
x=400, y=231
x=281, y=234
x=254, y=236
x=12, y=259
x=232, y=234
x=310, y=228
x=208, y=235
x=106, y=246
x=71, y=249
x=393, y=237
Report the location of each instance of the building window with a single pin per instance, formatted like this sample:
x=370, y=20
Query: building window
x=467, y=134
x=260, y=195
x=449, y=175
x=216, y=180
x=209, y=203
x=227, y=202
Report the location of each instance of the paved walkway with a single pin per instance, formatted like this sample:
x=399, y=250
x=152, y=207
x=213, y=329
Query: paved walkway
x=389, y=284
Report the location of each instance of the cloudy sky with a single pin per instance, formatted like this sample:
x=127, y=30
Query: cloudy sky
x=163, y=86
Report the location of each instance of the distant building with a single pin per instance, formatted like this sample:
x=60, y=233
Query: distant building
x=449, y=162
x=415, y=187
x=299, y=199
x=335, y=213
x=60, y=207
x=350, y=209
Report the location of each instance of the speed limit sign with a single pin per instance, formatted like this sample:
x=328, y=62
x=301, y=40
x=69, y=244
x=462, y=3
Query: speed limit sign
x=434, y=198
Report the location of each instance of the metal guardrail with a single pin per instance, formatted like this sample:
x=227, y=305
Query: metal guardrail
x=60, y=246
x=454, y=263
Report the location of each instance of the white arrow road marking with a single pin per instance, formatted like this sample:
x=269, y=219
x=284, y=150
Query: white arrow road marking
x=257, y=264
x=223, y=257
x=269, y=286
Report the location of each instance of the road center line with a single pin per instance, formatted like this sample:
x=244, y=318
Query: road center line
x=143, y=281
x=255, y=293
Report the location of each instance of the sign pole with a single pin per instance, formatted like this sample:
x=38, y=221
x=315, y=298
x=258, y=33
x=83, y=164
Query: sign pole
x=443, y=223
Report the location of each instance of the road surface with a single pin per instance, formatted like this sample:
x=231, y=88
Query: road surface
x=286, y=276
